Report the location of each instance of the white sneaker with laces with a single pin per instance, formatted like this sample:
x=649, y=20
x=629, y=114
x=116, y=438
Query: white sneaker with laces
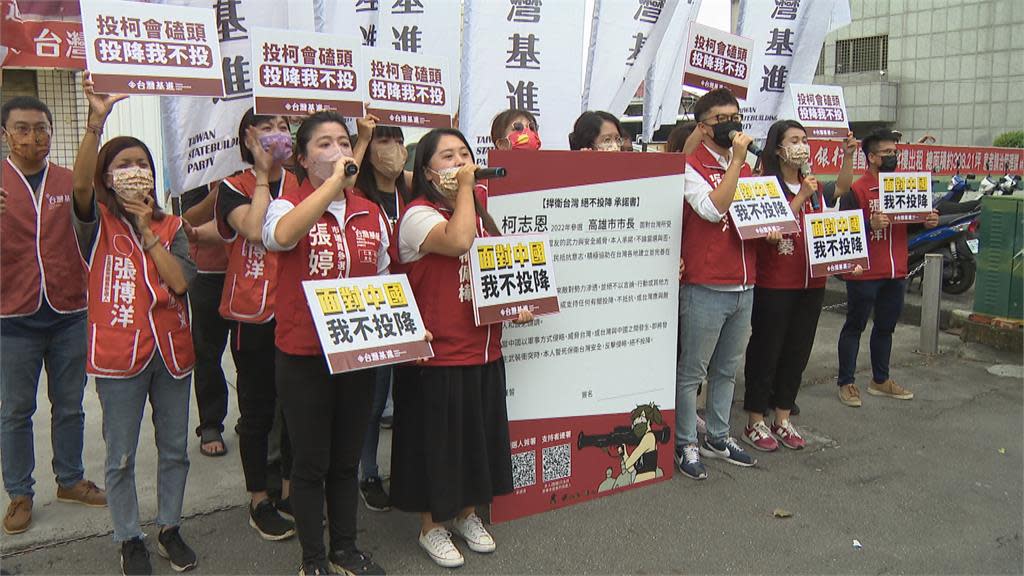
x=439, y=546
x=473, y=532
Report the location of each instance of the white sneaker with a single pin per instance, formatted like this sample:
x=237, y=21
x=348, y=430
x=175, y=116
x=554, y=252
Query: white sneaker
x=472, y=530
x=438, y=545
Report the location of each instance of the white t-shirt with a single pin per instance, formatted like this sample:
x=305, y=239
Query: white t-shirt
x=417, y=223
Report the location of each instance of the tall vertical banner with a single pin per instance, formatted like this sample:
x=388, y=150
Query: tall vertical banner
x=522, y=54
x=428, y=27
x=200, y=135
x=356, y=18
x=591, y=391
x=663, y=91
x=787, y=35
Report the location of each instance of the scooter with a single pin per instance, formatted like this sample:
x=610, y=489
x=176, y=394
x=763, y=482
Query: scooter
x=954, y=238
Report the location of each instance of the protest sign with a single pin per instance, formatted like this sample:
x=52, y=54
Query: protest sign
x=717, y=59
x=407, y=89
x=141, y=48
x=821, y=109
x=905, y=196
x=366, y=322
x=512, y=273
x=836, y=242
x=759, y=207
x=299, y=73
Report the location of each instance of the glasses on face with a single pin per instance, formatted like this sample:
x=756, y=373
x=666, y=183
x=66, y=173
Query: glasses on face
x=610, y=140
x=719, y=118
x=519, y=126
x=24, y=130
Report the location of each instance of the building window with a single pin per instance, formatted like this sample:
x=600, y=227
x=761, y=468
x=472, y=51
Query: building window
x=862, y=54
x=820, y=69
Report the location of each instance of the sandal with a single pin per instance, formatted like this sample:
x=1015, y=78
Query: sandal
x=209, y=436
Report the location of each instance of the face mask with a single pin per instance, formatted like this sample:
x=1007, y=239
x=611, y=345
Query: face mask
x=524, y=139
x=889, y=163
x=278, y=144
x=609, y=146
x=323, y=167
x=721, y=133
x=132, y=182
x=390, y=159
x=449, y=184
x=796, y=154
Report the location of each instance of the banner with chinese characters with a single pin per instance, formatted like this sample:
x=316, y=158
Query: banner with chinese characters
x=139, y=48
x=827, y=158
x=407, y=89
x=591, y=390
x=820, y=108
x=39, y=43
x=366, y=322
x=759, y=207
x=836, y=242
x=717, y=59
x=788, y=36
x=353, y=18
x=298, y=73
x=905, y=196
x=662, y=89
x=200, y=135
x=432, y=28
x=523, y=54
x=512, y=273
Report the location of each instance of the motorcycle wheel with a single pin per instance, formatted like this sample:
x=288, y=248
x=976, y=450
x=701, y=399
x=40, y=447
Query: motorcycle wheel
x=962, y=278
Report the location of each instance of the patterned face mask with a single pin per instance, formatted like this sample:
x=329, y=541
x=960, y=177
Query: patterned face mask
x=131, y=183
x=279, y=144
x=448, y=184
x=796, y=154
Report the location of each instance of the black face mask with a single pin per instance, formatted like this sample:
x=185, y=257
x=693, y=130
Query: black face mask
x=889, y=163
x=722, y=130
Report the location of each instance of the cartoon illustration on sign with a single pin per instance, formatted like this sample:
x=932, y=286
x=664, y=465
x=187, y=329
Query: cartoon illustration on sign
x=635, y=447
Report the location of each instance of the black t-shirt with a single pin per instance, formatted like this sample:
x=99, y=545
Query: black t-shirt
x=228, y=199
x=34, y=180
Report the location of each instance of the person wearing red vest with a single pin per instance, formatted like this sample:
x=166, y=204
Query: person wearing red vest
x=322, y=229
x=139, y=340
x=715, y=294
x=881, y=288
x=42, y=314
x=787, y=301
x=450, y=447
x=248, y=303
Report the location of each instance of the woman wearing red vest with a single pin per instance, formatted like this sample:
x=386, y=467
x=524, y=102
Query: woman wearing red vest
x=787, y=301
x=322, y=229
x=139, y=342
x=248, y=303
x=450, y=450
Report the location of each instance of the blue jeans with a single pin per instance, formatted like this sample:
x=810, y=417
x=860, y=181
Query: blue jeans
x=713, y=329
x=381, y=392
x=885, y=299
x=123, y=403
x=62, y=350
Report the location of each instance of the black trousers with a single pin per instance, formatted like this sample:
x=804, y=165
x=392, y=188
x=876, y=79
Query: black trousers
x=209, y=336
x=783, y=324
x=326, y=417
x=252, y=347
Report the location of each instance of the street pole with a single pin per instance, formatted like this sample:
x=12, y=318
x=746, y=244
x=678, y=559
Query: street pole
x=931, y=295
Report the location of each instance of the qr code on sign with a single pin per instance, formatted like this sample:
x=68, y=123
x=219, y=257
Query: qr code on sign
x=557, y=462
x=524, y=469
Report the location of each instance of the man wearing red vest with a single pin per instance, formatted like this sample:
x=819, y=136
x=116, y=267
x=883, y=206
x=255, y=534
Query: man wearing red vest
x=881, y=288
x=42, y=306
x=716, y=295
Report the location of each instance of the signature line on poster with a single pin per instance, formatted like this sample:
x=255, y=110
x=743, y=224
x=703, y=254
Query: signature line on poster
x=637, y=393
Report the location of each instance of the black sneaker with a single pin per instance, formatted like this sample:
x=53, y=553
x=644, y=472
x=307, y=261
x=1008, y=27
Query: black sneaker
x=171, y=546
x=269, y=523
x=315, y=568
x=354, y=563
x=135, y=557
x=284, y=508
x=374, y=496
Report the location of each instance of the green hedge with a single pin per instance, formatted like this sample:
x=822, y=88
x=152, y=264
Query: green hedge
x=1013, y=139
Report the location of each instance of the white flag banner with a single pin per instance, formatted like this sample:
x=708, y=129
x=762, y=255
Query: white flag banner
x=429, y=27
x=621, y=31
x=787, y=35
x=521, y=54
x=356, y=18
x=663, y=89
x=200, y=135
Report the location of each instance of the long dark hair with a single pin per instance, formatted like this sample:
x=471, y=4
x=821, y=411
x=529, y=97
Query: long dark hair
x=305, y=133
x=367, y=183
x=679, y=135
x=770, y=164
x=104, y=158
x=588, y=127
x=421, y=185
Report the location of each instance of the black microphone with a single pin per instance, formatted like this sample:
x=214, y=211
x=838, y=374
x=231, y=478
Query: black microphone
x=486, y=173
x=351, y=169
x=752, y=148
x=806, y=169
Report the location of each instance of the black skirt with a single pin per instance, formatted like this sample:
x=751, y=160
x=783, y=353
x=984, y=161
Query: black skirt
x=450, y=444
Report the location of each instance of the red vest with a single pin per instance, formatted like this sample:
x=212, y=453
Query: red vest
x=785, y=266
x=445, y=297
x=251, y=281
x=39, y=256
x=887, y=248
x=210, y=259
x=131, y=310
x=712, y=251
x=331, y=249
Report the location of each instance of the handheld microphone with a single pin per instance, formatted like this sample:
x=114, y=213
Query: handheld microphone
x=806, y=170
x=351, y=169
x=752, y=148
x=486, y=173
